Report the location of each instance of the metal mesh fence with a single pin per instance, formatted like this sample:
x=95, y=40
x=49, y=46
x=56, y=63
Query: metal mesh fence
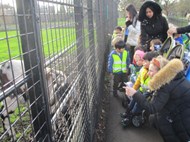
x=52, y=63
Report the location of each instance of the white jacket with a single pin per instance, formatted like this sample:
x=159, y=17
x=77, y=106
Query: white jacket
x=134, y=33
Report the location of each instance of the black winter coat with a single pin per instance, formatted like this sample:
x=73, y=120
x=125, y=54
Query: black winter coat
x=183, y=30
x=170, y=103
x=152, y=28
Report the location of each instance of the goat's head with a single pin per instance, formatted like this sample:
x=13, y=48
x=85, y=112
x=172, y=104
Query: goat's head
x=12, y=69
x=56, y=81
x=4, y=81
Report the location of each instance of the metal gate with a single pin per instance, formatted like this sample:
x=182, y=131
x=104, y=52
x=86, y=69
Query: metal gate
x=52, y=55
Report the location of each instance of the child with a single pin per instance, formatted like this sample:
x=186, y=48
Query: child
x=118, y=63
x=142, y=81
x=134, y=69
x=115, y=40
x=141, y=84
x=136, y=66
x=155, y=45
x=186, y=41
x=117, y=32
x=178, y=39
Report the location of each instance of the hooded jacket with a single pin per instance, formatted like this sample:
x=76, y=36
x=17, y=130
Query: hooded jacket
x=170, y=102
x=152, y=28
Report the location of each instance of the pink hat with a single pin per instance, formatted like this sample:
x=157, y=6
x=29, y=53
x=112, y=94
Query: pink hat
x=140, y=53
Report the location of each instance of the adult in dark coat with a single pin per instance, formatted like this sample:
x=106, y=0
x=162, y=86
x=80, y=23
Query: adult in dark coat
x=179, y=30
x=171, y=99
x=153, y=24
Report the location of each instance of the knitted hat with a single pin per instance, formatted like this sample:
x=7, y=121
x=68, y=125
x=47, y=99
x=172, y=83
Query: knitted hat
x=159, y=61
x=140, y=53
x=168, y=71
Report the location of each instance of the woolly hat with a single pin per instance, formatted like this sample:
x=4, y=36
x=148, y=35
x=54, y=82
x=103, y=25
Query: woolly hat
x=168, y=71
x=159, y=61
x=140, y=53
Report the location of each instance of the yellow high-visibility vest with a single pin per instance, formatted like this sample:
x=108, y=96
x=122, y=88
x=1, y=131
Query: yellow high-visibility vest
x=118, y=64
x=144, y=84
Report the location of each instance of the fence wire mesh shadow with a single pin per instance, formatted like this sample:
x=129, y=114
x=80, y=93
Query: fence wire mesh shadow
x=52, y=67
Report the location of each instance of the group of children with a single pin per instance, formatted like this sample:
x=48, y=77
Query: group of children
x=124, y=70
x=119, y=62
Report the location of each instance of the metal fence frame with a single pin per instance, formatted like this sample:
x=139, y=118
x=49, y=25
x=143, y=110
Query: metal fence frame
x=76, y=36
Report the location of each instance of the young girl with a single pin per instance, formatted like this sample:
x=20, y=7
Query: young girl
x=133, y=26
x=155, y=45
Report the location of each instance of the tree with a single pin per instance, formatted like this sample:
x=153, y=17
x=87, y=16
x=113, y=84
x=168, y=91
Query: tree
x=176, y=7
x=183, y=7
x=167, y=5
x=123, y=3
x=170, y=7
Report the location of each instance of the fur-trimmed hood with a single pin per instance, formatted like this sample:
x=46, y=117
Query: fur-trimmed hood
x=151, y=4
x=166, y=74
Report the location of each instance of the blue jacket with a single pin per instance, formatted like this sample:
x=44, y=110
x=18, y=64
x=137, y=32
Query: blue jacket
x=126, y=31
x=110, y=60
x=179, y=40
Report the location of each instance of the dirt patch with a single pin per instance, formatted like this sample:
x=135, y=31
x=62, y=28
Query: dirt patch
x=101, y=126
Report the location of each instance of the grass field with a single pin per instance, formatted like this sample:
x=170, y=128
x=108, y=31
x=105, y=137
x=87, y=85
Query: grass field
x=53, y=41
x=121, y=22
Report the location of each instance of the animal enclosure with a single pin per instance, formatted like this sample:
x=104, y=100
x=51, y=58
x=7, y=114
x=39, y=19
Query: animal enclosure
x=52, y=64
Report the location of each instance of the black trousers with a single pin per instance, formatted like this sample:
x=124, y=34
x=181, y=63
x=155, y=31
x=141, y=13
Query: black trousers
x=125, y=38
x=118, y=81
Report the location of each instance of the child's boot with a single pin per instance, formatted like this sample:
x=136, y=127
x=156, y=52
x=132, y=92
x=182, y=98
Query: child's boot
x=125, y=122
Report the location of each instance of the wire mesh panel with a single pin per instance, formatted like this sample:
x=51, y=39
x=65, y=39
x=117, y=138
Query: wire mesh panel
x=52, y=62
x=22, y=95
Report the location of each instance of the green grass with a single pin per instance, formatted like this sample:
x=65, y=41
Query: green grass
x=121, y=22
x=11, y=41
x=53, y=41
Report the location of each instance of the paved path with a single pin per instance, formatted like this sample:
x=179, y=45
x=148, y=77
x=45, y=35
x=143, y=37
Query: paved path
x=115, y=133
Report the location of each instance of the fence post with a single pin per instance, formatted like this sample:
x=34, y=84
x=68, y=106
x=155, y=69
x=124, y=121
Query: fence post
x=92, y=64
x=116, y=15
x=31, y=48
x=80, y=42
